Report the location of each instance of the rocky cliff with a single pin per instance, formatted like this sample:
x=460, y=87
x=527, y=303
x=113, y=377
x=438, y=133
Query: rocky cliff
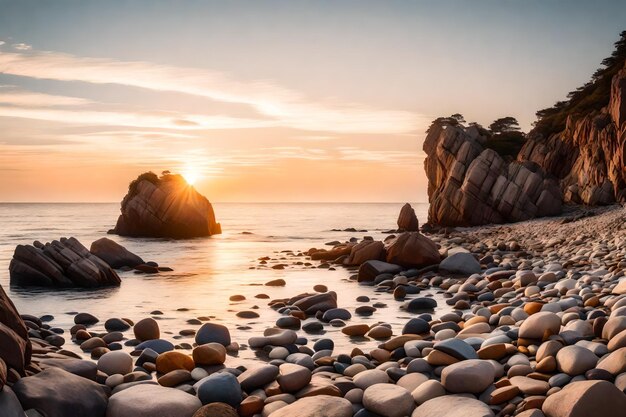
x=471, y=185
x=165, y=207
x=576, y=153
x=589, y=155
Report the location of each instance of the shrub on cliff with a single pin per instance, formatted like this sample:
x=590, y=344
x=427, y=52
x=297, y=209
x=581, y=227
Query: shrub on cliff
x=592, y=96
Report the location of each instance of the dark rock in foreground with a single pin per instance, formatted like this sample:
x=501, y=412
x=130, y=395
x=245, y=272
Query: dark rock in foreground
x=165, y=206
x=15, y=347
x=114, y=254
x=55, y=392
x=60, y=263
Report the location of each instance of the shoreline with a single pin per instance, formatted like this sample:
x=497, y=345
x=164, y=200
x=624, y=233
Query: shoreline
x=534, y=255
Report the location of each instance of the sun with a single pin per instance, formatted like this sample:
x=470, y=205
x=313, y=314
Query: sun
x=191, y=175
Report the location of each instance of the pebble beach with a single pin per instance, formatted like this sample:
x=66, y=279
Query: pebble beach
x=525, y=319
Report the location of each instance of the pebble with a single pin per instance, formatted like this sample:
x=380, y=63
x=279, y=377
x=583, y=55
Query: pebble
x=388, y=400
x=116, y=362
x=469, y=376
x=146, y=329
x=213, y=332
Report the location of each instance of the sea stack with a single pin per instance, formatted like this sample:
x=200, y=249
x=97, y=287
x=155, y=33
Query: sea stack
x=165, y=206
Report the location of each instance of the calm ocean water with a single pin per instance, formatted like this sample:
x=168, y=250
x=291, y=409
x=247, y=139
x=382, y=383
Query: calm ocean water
x=206, y=270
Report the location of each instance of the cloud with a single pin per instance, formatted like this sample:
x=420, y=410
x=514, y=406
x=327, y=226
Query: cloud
x=8, y=96
x=287, y=107
x=2, y=43
x=388, y=157
x=22, y=47
x=160, y=120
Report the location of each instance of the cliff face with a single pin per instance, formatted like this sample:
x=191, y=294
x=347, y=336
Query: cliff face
x=585, y=163
x=589, y=156
x=470, y=185
x=166, y=207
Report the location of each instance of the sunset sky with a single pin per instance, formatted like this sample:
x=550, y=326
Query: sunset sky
x=271, y=100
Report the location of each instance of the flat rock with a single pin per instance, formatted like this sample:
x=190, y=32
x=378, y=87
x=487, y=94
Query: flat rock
x=388, y=400
x=257, y=377
x=453, y=406
x=456, y=348
x=317, y=406
x=58, y=393
x=147, y=400
x=584, y=399
x=473, y=376
x=460, y=263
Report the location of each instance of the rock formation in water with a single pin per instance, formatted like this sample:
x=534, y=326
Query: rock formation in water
x=60, y=263
x=471, y=185
x=165, y=206
x=589, y=155
x=116, y=255
x=407, y=220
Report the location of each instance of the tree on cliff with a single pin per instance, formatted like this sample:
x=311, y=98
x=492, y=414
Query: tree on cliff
x=504, y=125
x=454, y=120
x=505, y=137
x=592, y=96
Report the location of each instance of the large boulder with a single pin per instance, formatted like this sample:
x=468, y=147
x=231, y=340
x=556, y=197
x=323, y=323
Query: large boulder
x=147, y=400
x=15, y=347
x=58, y=393
x=114, y=254
x=316, y=406
x=412, y=249
x=60, y=263
x=470, y=185
x=9, y=404
x=453, y=406
x=165, y=206
x=586, y=398
x=407, y=220
x=366, y=250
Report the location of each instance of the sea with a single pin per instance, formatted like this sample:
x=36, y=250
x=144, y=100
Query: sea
x=206, y=271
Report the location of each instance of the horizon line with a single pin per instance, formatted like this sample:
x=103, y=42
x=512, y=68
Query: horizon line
x=225, y=202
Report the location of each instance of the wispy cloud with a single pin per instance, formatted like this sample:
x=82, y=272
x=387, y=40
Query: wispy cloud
x=286, y=107
x=10, y=96
x=22, y=46
x=160, y=120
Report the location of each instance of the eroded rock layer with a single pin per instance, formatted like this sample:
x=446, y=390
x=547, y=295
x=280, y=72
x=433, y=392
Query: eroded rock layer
x=471, y=185
x=589, y=156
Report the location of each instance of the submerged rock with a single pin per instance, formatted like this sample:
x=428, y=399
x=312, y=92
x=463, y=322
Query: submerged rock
x=60, y=263
x=165, y=206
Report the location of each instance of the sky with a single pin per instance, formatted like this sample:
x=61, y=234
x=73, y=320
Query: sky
x=271, y=101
